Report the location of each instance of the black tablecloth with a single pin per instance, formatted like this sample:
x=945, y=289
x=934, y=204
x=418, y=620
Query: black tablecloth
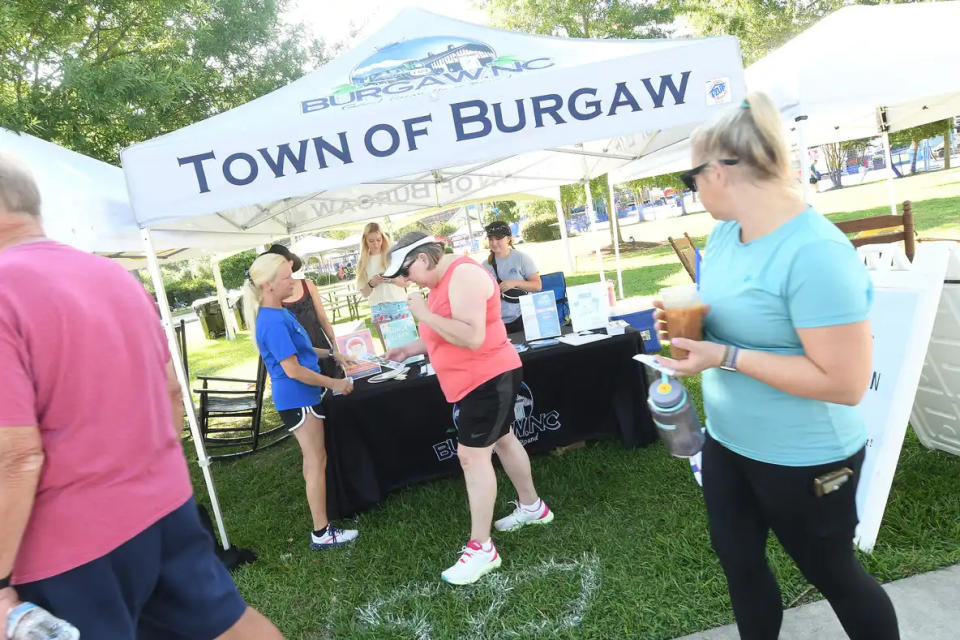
x=389, y=435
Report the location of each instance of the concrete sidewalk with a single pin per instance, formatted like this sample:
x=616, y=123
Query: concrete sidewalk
x=925, y=604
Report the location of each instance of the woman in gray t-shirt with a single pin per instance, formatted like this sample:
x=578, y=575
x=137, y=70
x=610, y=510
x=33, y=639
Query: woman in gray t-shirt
x=515, y=272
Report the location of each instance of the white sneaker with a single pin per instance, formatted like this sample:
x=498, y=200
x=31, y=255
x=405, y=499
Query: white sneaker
x=521, y=517
x=474, y=563
x=332, y=537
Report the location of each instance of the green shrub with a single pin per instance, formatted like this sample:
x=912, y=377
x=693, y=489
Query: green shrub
x=541, y=230
x=323, y=279
x=182, y=293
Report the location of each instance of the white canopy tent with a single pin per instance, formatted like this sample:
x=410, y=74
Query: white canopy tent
x=460, y=113
x=828, y=91
x=85, y=205
x=316, y=245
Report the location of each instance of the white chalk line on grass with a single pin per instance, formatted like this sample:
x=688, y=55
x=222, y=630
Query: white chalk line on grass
x=376, y=614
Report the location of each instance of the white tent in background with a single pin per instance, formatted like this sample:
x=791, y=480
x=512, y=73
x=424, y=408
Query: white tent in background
x=85, y=205
x=317, y=245
x=828, y=91
x=427, y=113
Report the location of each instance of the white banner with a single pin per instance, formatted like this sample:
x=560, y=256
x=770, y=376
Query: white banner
x=902, y=318
x=402, y=105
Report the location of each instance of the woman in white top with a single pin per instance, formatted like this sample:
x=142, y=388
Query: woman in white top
x=388, y=301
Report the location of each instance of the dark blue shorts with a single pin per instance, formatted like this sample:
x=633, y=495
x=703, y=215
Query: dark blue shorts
x=167, y=582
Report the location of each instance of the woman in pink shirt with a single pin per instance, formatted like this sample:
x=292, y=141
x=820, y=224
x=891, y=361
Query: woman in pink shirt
x=480, y=373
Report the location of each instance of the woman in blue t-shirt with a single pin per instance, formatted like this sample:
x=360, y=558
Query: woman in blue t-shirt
x=786, y=357
x=298, y=386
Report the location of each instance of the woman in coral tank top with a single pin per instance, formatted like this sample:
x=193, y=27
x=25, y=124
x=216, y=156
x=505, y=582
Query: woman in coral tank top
x=480, y=373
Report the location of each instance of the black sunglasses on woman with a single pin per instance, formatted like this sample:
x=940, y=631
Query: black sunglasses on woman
x=688, y=178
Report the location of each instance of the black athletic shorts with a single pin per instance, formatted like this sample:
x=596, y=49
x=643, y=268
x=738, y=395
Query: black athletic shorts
x=293, y=419
x=484, y=415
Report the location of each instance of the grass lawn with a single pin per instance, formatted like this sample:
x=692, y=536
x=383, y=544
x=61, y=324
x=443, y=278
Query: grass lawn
x=646, y=271
x=627, y=556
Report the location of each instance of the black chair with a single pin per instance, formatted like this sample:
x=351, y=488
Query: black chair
x=233, y=405
x=181, y=334
x=557, y=283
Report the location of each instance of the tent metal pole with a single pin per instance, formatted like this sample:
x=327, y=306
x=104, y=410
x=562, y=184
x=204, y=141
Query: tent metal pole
x=887, y=154
x=889, y=158
x=616, y=234
x=469, y=229
x=593, y=224
x=588, y=207
x=564, y=236
x=203, y=461
x=803, y=158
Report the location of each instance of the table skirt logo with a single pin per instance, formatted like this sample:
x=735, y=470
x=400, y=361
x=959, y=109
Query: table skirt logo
x=421, y=64
x=527, y=425
x=718, y=91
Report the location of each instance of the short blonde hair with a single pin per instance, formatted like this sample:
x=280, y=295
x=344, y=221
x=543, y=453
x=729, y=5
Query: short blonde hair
x=18, y=189
x=263, y=269
x=751, y=132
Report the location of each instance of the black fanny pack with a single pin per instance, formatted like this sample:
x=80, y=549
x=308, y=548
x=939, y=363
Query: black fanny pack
x=510, y=295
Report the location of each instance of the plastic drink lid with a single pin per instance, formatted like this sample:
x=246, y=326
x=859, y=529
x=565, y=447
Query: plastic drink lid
x=684, y=296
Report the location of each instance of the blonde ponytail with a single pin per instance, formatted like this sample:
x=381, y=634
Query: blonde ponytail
x=263, y=269
x=751, y=132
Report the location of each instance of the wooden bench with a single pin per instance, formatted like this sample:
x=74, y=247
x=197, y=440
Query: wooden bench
x=888, y=229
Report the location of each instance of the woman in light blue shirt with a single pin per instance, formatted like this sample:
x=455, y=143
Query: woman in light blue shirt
x=786, y=357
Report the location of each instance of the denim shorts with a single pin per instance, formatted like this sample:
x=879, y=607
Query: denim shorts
x=165, y=583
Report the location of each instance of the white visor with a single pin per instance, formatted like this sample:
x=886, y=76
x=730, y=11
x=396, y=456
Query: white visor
x=399, y=255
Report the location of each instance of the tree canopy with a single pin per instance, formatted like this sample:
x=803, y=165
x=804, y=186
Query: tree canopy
x=96, y=76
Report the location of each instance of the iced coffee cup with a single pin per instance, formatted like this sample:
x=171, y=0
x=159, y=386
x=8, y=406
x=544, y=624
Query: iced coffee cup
x=684, y=315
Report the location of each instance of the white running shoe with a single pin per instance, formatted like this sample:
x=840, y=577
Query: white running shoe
x=521, y=517
x=332, y=537
x=474, y=563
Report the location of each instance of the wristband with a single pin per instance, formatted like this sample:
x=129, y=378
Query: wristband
x=730, y=358
x=5, y=582
x=370, y=283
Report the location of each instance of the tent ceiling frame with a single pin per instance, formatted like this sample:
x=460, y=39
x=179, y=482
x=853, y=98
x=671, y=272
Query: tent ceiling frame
x=595, y=154
x=267, y=214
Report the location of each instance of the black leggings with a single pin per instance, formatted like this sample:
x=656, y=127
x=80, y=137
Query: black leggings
x=746, y=498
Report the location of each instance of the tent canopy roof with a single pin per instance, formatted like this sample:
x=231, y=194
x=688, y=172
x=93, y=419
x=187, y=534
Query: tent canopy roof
x=407, y=123
x=839, y=71
x=85, y=205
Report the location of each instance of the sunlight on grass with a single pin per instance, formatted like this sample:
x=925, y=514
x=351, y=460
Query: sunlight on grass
x=628, y=556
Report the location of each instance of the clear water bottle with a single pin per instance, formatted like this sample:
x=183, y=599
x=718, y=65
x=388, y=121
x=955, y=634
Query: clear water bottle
x=27, y=621
x=675, y=416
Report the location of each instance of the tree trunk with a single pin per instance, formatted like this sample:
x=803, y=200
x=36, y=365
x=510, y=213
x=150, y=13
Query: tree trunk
x=946, y=143
x=611, y=212
x=913, y=163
